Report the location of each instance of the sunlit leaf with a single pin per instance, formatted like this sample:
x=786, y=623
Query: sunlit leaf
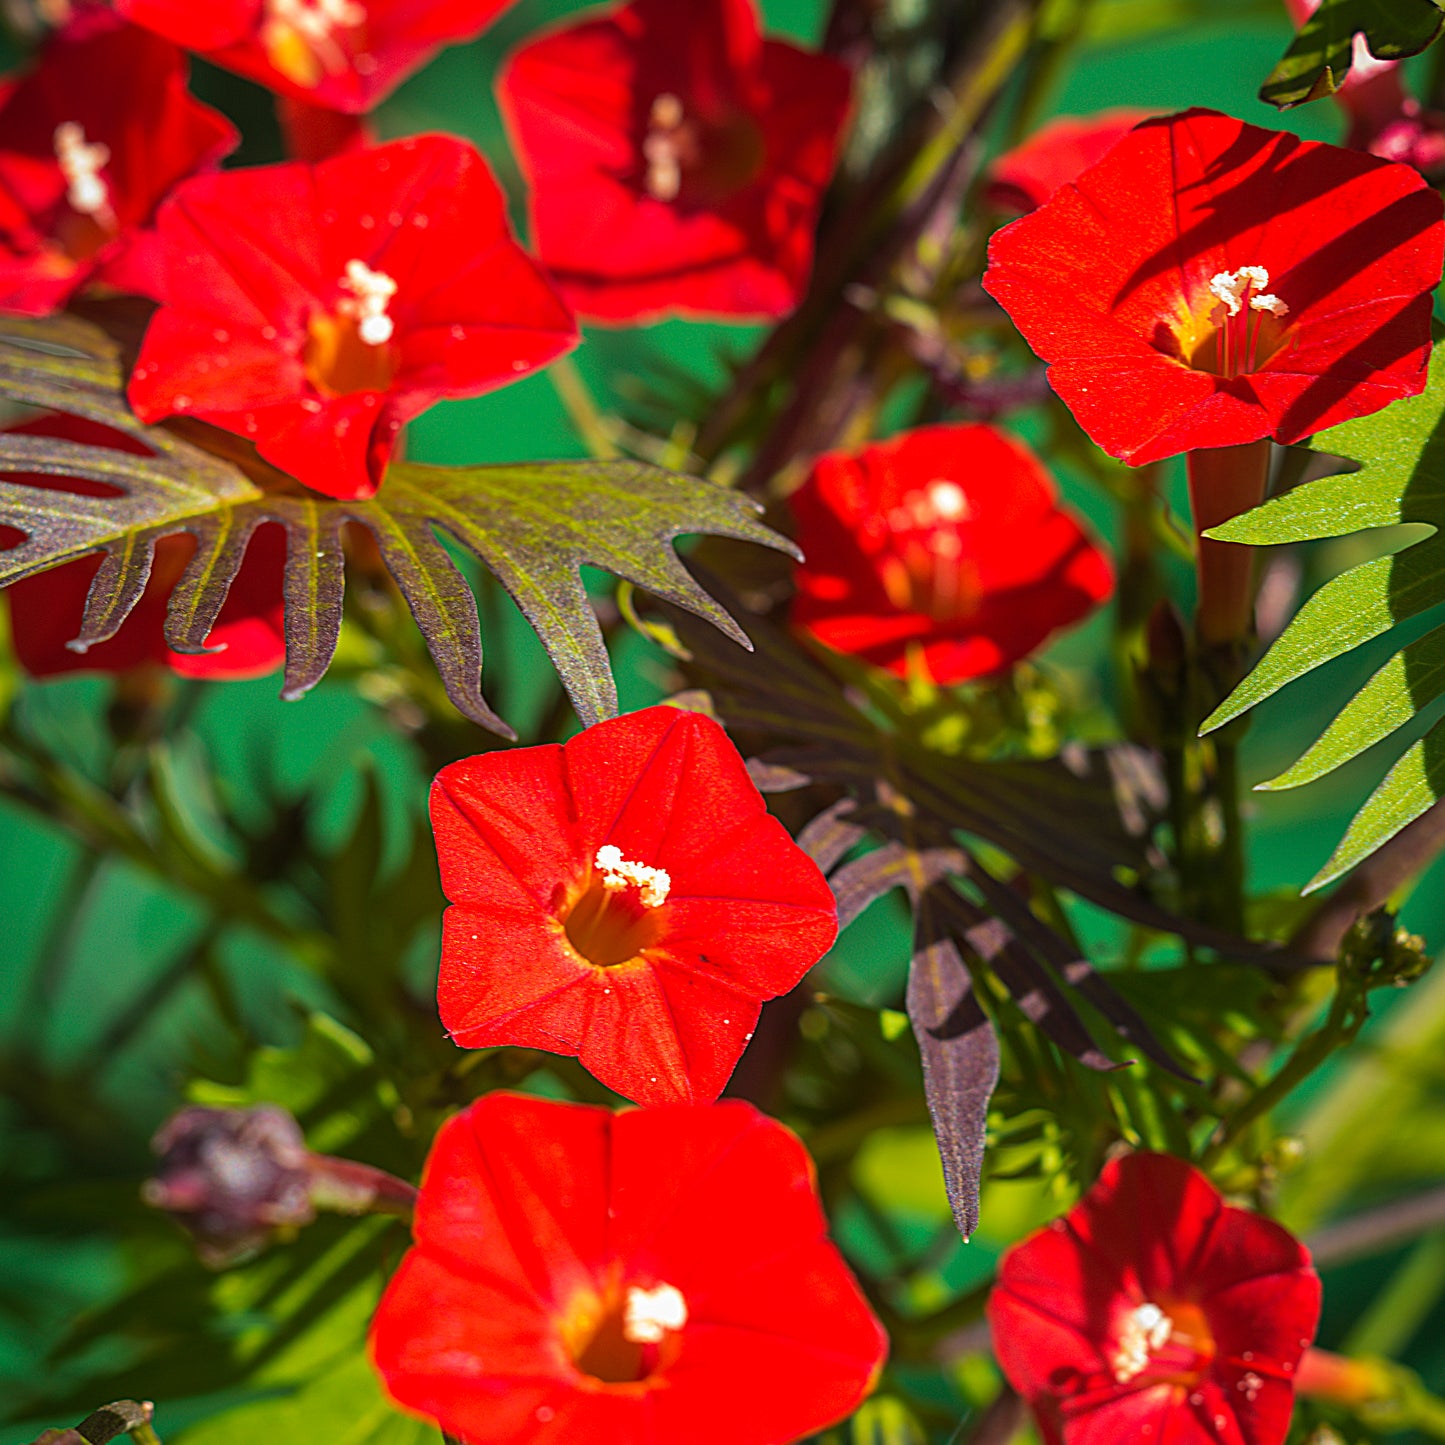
x=1400, y=478
x=1319, y=58
x=534, y=524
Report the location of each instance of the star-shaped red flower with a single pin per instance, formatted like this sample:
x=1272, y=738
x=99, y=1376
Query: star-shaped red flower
x=1024, y=178
x=344, y=54
x=656, y=1275
x=92, y=139
x=316, y=309
x=1209, y=283
x=948, y=542
x=46, y=610
x=625, y=897
x=1155, y=1312
x=677, y=159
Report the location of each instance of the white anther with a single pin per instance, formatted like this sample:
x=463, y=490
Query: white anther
x=372, y=292
x=948, y=500
x=1146, y=1329
x=1228, y=286
x=1231, y=287
x=659, y=148
x=81, y=164
x=317, y=19
x=618, y=872
x=650, y=1313
x=1269, y=302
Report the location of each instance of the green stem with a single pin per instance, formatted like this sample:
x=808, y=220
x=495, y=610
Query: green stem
x=582, y=410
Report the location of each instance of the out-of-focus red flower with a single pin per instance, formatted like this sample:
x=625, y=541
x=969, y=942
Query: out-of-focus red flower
x=1153, y=1311
x=46, y=610
x=625, y=897
x=1209, y=283
x=949, y=541
x=659, y=1275
x=92, y=139
x=677, y=159
x=1024, y=178
x=345, y=54
x=316, y=309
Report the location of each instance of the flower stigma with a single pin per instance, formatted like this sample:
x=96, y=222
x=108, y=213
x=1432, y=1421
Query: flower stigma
x=371, y=293
x=618, y=872
x=80, y=164
x=649, y=1314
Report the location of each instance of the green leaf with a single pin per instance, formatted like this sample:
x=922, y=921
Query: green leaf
x=1407, y=684
x=345, y=1406
x=534, y=524
x=1400, y=479
x=1319, y=57
x=1410, y=787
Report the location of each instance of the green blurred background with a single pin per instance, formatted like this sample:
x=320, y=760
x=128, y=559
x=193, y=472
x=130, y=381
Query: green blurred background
x=91, y=978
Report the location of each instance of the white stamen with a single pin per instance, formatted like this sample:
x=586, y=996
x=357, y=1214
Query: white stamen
x=618, y=872
x=80, y=164
x=372, y=291
x=1231, y=287
x=659, y=149
x=1146, y=1329
x=949, y=500
x=1269, y=302
x=650, y=1313
x=316, y=20
x=1227, y=286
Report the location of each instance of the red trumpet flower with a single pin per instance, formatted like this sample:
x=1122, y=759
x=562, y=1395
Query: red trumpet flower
x=344, y=54
x=677, y=159
x=1209, y=283
x=584, y=1276
x=948, y=541
x=624, y=897
x=92, y=139
x=316, y=309
x=46, y=610
x=1024, y=178
x=1154, y=1312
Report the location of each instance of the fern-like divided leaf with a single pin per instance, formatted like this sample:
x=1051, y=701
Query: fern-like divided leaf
x=535, y=525
x=1401, y=478
x=1319, y=58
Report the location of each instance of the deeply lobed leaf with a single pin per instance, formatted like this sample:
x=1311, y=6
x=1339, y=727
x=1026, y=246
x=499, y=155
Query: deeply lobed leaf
x=534, y=524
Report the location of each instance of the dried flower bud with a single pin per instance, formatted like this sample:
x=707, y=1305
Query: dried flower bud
x=231, y=1177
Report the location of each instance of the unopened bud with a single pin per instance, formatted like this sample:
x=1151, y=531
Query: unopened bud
x=231, y=1178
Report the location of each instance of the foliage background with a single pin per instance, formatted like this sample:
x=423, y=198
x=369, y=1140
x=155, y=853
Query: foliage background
x=115, y=988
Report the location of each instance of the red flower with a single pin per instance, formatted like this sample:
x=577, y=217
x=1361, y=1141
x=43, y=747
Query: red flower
x=316, y=309
x=91, y=141
x=1024, y=178
x=624, y=897
x=46, y=610
x=345, y=54
x=677, y=159
x=950, y=541
x=656, y=1275
x=1153, y=1311
x=1209, y=283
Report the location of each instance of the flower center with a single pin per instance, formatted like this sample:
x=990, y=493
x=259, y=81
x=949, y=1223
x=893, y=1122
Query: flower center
x=627, y=1336
x=616, y=917
x=306, y=39
x=694, y=161
x=349, y=349
x=1173, y=1344
x=923, y=568
x=1238, y=328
